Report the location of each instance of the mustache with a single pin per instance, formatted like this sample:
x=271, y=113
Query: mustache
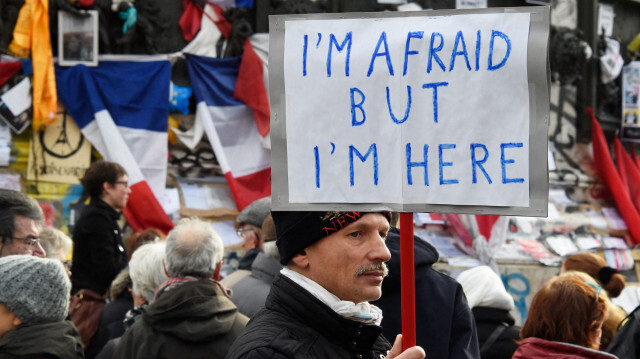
x=373, y=267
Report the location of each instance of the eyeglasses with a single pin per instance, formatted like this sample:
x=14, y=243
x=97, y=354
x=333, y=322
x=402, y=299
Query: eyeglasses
x=125, y=183
x=242, y=231
x=30, y=240
x=597, y=287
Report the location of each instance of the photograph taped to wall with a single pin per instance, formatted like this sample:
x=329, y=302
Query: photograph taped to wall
x=630, y=122
x=78, y=39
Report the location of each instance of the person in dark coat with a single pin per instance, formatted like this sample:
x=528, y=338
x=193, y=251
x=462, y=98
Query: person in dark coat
x=444, y=323
x=191, y=316
x=146, y=273
x=250, y=292
x=34, y=302
x=497, y=335
x=318, y=306
x=99, y=253
x=120, y=292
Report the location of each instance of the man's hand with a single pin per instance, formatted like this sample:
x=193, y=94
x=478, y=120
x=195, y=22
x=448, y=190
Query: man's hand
x=411, y=353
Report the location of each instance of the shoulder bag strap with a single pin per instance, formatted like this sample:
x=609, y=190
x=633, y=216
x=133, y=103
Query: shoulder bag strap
x=492, y=338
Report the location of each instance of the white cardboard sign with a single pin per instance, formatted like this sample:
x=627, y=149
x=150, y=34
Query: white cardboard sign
x=410, y=110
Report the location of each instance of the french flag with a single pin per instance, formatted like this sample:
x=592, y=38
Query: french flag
x=122, y=108
x=231, y=125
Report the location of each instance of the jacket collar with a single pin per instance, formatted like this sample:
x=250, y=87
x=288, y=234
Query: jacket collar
x=290, y=299
x=99, y=203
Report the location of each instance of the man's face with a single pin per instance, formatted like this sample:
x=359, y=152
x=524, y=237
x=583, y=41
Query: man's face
x=249, y=234
x=26, y=230
x=350, y=262
x=117, y=194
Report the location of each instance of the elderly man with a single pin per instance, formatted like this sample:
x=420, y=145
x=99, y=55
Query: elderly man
x=318, y=305
x=20, y=222
x=249, y=229
x=191, y=317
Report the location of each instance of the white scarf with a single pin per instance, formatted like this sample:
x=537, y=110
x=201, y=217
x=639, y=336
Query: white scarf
x=362, y=312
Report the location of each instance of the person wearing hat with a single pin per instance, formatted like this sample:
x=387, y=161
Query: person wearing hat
x=250, y=292
x=318, y=306
x=249, y=229
x=20, y=222
x=491, y=303
x=34, y=301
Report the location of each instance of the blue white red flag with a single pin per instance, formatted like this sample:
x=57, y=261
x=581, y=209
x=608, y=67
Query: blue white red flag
x=230, y=125
x=122, y=108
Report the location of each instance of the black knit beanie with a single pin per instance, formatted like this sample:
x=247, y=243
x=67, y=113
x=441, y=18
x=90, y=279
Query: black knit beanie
x=296, y=231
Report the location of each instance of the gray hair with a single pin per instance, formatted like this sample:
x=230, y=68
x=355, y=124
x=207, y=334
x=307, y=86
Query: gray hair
x=12, y=205
x=146, y=270
x=55, y=242
x=271, y=249
x=193, y=249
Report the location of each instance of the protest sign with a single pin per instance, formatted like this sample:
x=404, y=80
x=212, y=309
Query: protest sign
x=435, y=111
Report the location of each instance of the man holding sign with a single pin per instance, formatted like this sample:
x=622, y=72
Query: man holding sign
x=318, y=305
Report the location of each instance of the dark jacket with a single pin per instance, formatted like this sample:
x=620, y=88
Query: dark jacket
x=50, y=340
x=250, y=293
x=193, y=320
x=98, y=250
x=445, y=327
x=536, y=348
x=626, y=344
x=247, y=260
x=487, y=320
x=295, y=324
x=113, y=314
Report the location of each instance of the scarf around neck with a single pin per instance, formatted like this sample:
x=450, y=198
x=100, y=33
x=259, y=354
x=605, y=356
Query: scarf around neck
x=363, y=312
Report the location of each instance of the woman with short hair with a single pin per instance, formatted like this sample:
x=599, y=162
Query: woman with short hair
x=565, y=320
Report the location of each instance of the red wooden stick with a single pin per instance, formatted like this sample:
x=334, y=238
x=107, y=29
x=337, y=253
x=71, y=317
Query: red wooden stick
x=407, y=281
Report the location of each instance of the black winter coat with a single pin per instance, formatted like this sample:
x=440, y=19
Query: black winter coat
x=295, y=324
x=50, y=340
x=487, y=320
x=98, y=250
x=445, y=327
x=194, y=320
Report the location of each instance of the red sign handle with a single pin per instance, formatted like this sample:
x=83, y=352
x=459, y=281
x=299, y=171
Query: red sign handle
x=407, y=281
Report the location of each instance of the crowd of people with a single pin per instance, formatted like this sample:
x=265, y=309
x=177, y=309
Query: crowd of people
x=311, y=284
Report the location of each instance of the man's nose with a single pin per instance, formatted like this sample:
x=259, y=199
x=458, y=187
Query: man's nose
x=38, y=251
x=381, y=252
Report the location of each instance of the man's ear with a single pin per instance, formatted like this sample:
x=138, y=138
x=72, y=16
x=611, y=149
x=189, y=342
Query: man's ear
x=216, y=272
x=256, y=241
x=106, y=187
x=16, y=321
x=301, y=259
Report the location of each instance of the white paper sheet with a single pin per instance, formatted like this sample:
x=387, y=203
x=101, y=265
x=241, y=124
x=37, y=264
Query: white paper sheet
x=352, y=137
x=18, y=99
